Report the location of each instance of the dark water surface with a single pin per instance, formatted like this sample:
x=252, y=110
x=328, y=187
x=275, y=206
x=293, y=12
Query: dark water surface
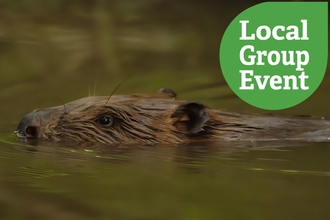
x=55, y=53
x=251, y=180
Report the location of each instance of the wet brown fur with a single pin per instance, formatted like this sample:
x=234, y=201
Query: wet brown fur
x=160, y=119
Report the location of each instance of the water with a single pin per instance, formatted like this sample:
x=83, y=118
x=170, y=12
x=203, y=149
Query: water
x=231, y=181
x=56, y=61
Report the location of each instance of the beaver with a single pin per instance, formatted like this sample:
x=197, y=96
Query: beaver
x=160, y=118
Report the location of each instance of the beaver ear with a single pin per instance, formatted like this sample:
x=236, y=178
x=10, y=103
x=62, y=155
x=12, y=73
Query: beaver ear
x=168, y=92
x=196, y=114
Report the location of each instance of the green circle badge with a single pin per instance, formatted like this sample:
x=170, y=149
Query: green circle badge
x=274, y=54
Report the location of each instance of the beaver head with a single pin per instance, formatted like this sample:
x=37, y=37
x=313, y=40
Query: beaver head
x=122, y=119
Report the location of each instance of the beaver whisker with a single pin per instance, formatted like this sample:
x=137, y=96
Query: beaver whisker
x=94, y=89
x=115, y=90
x=62, y=115
x=94, y=92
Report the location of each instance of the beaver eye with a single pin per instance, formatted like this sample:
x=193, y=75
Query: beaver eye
x=105, y=120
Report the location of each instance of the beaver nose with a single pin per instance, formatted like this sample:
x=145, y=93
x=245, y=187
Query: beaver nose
x=27, y=129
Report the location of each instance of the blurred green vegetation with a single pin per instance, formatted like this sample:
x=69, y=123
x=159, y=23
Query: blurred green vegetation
x=109, y=38
x=65, y=50
x=51, y=50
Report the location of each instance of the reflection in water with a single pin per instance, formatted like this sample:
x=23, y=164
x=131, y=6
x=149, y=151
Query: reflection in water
x=83, y=182
x=194, y=158
x=21, y=202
